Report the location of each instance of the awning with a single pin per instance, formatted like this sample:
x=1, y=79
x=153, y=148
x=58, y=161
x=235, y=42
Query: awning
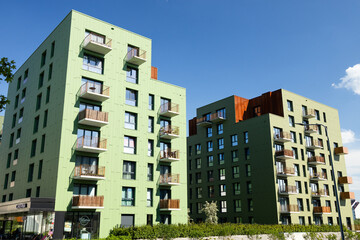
x=28, y=205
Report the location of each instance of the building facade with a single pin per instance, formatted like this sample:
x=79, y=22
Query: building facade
x=251, y=157
x=91, y=138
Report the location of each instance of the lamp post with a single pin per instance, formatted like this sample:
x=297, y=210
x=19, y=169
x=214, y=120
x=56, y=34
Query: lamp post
x=332, y=174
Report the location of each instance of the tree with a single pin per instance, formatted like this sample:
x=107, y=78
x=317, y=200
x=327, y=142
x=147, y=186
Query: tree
x=7, y=75
x=210, y=210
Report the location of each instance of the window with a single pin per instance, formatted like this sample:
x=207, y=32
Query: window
x=234, y=156
x=93, y=64
x=129, y=170
x=129, y=144
x=130, y=120
x=26, y=74
x=237, y=205
x=199, y=192
x=6, y=181
x=317, y=115
x=298, y=186
x=210, y=175
x=297, y=169
x=47, y=94
x=257, y=111
x=324, y=116
x=300, y=204
x=52, y=49
x=37, y=194
x=248, y=170
x=249, y=187
x=31, y=172
x=290, y=106
x=33, y=148
x=198, y=148
x=293, y=137
x=18, y=83
x=3, y=198
x=209, y=132
x=150, y=148
x=221, y=113
x=301, y=220
x=38, y=101
x=222, y=189
x=151, y=102
x=16, y=101
x=23, y=95
x=223, y=206
x=40, y=169
x=16, y=155
x=50, y=72
x=41, y=80
x=8, y=160
x=236, y=188
x=28, y=192
x=45, y=118
x=220, y=128
x=210, y=146
x=11, y=197
x=220, y=143
x=131, y=97
x=11, y=140
x=291, y=121
x=236, y=171
x=247, y=154
x=234, y=140
x=250, y=205
x=43, y=58
x=21, y=115
x=198, y=177
x=151, y=124
x=42, y=149
x=295, y=153
x=210, y=161
x=304, y=110
x=149, y=197
x=198, y=163
x=150, y=172
x=36, y=124
x=128, y=196
x=246, y=137
x=221, y=158
x=13, y=121
x=132, y=75
x=222, y=173
x=190, y=151
x=13, y=176
x=211, y=191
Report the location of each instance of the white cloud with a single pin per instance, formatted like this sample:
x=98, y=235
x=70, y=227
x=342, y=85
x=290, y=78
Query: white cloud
x=353, y=170
x=348, y=136
x=351, y=81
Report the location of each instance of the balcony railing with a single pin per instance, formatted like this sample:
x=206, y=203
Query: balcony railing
x=321, y=210
x=93, y=118
x=320, y=193
x=347, y=195
x=89, y=172
x=87, y=202
x=217, y=117
x=288, y=171
x=95, y=91
x=169, y=179
x=169, y=155
x=309, y=113
x=169, y=204
x=284, y=154
x=283, y=137
x=316, y=160
x=311, y=128
x=91, y=144
x=97, y=43
x=318, y=176
x=136, y=56
x=315, y=144
x=291, y=208
x=203, y=121
x=345, y=180
x=341, y=150
x=169, y=109
x=287, y=190
x=169, y=132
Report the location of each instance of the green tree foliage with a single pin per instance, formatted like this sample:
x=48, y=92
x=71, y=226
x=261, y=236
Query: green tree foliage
x=210, y=210
x=6, y=74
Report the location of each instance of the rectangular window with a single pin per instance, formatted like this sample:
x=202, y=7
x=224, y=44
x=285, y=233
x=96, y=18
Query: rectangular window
x=210, y=146
x=150, y=172
x=291, y=121
x=11, y=197
x=18, y=135
x=234, y=156
x=236, y=188
x=234, y=140
x=6, y=181
x=149, y=197
x=33, y=148
x=128, y=196
x=18, y=83
x=210, y=175
x=21, y=115
x=317, y=115
x=210, y=160
x=131, y=97
x=293, y=137
x=223, y=208
x=38, y=101
x=209, y=132
x=8, y=160
x=50, y=72
x=249, y=187
x=13, y=121
x=45, y=118
x=237, y=205
x=222, y=173
x=47, y=95
x=198, y=148
x=295, y=153
x=52, y=49
x=130, y=120
x=199, y=192
x=221, y=158
x=324, y=116
x=150, y=148
x=151, y=102
x=151, y=124
x=13, y=176
x=298, y=186
x=131, y=75
x=221, y=113
x=198, y=163
x=247, y=154
x=300, y=204
x=129, y=170
x=43, y=59
x=93, y=64
x=250, y=205
x=16, y=101
x=211, y=191
x=248, y=170
x=220, y=143
x=3, y=198
x=12, y=136
x=41, y=80
x=290, y=106
x=26, y=74
x=257, y=111
x=40, y=169
x=297, y=169
x=129, y=145
x=220, y=128
x=31, y=172
x=198, y=177
x=222, y=189
x=28, y=192
x=37, y=191
x=246, y=137
x=36, y=124
x=236, y=171
x=42, y=149
x=23, y=95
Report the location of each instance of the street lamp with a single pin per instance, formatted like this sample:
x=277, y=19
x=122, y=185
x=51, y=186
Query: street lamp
x=332, y=173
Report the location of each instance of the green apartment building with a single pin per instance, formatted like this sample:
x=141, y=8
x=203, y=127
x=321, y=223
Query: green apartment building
x=92, y=139
x=251, y=157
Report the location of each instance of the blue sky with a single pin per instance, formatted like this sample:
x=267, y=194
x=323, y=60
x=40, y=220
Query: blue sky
x=220, y=48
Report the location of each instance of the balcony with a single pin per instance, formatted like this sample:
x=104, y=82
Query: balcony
x=169, y=179
x=93, y=118
x=320, y=193
x=169, y=132
x=318, y=176
x=286, y=171
x=91, y=144
x=282, y=137
x=169, y=110
x=315, y=144
x=203, y=122
x=322, y=210
x=347, y=195
x=284, y=154
x=217, y=117
x=136, y=56
x=95, y=92
x=169, y=155
x=309, y=113
x=169, y=204
x=89, y=172
x=291, y=208
x=316, y=160
x=97, y=43
x=87, y=202
x=345, y=180
x=286, y=190
x=311, y=129
x=341, y=151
